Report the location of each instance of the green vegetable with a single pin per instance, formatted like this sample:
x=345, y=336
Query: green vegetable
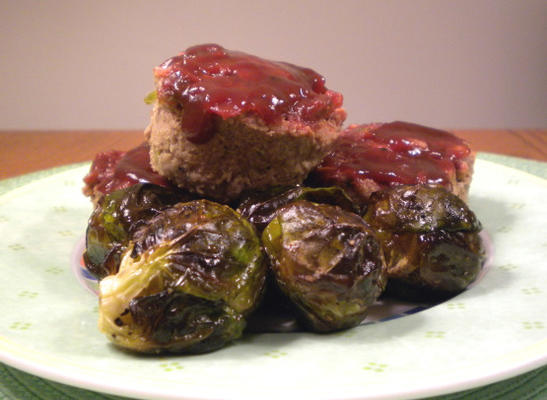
x=327, y=261
x=116, y=217
x=430, y=240
x=260, y=207
x=151, y=97
x=186, y=283
x=419, y=208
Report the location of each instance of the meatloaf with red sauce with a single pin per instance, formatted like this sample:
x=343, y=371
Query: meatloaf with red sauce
x=114, y=169
x=368, y=158
x=225, y=121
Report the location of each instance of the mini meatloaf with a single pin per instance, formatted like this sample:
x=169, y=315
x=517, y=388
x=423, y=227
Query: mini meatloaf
x=225, y=121
x=368, y=158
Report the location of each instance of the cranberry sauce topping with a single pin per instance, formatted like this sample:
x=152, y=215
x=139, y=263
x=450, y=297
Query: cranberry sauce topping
x=209, y=80
x=115, y=170
x=394, y=153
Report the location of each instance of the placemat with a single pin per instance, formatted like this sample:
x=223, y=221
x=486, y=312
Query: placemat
x=19, y=385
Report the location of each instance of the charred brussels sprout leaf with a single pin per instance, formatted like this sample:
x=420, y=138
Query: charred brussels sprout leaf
x=327, y=262
x=420, y=208
x=115, y=218
x=260, y=208
x=430, y=240
x=186, y=282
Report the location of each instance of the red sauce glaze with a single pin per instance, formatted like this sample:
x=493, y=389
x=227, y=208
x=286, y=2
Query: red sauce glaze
x=208, y=80
x=115, y=170
x=394, y=153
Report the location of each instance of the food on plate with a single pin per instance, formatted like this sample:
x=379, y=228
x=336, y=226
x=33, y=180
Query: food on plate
x=116, y=217
x=327, y=261
x=371, y=157
x=430, y=240
x=225, y=121
x=247, y=207
x=113, y=170
x=260, y=207
x=186, y=282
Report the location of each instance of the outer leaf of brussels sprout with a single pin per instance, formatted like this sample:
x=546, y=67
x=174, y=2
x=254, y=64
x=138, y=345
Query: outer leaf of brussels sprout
x=451, y=260
x=115, y=218
x=140, y=311
x=190, y=277
x=420, y=208
x=430, y=241
x=105, y=237
x=326, y=261
x=260, y=208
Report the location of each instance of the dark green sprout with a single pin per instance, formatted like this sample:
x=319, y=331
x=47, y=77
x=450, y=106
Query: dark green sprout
x=116, y=216
x=327, y=261
x=186, y=283
x=261, y=207
x=430, y=239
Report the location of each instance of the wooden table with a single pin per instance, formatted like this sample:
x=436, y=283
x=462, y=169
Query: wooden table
x=27, y=151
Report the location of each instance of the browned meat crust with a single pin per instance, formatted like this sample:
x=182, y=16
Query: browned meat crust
x=244, y=153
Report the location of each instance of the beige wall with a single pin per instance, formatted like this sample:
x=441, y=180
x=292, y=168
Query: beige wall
x=455, y=64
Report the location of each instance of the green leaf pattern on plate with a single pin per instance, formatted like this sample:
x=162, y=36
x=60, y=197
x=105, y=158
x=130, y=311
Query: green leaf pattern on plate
x=276, y=354
x=508, y=267
x=455, y=306
x=28, y=294
x=20, y=325
x=375, y=367
x=531, y=290
x=435, y=334
x=171, y=366
x=533, y=325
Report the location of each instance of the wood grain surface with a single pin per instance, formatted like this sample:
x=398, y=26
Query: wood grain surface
x=24, y=151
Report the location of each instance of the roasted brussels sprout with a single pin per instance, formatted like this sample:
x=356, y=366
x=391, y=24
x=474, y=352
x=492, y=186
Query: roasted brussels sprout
x=115, y=218
x=186, y=282
x=420, y=208
x=260, y=207
x=327, y=261
x=430, y=240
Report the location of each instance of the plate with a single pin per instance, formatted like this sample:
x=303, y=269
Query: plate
x=494, y=330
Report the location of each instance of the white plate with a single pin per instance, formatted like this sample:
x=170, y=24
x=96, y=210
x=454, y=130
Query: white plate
x=495, y=330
